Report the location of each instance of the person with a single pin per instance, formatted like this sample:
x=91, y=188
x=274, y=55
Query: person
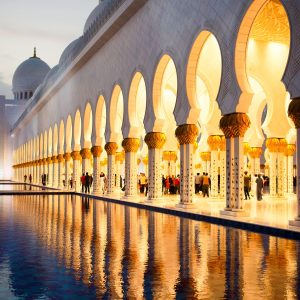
x=87, y=183
x=205, y=184
x=30, y=178
x=44, y=179
x=197, y=183
x=25, y=178
x=71, y=182
x=259, y=187
x=163, y=184
x=167, y=184
x=146, y=187
x=142, y=182
x=102, y=182
x=247, y=184
x=82, y=180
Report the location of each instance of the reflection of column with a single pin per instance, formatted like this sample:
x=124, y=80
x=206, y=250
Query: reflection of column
x=223, y=167
x=294, y=114
x=96, y=151
x=131, y=146
x=111, y=148
x=214, y=142
x=50, y=171
x=86, y=160
x=76, y=170
x=61, y=170
x=273, y=145
x=67, y=157
x=155, y=142
x=186, y=135
x=290, y=151
x=234, y=127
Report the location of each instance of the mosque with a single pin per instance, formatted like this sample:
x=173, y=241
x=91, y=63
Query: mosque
x=165, y=88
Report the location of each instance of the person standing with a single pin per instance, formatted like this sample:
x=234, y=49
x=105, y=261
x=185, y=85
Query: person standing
x=82, y=180
x=30, y=178
x=205, y=184
x=259, y=187
x=247, y=184
x=87, y=183
x=25, y=178
x=197, y=183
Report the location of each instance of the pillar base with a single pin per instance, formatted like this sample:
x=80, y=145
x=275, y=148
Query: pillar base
x=153, y=200
x=234, y=212
x=295, y=222
x=186, y=205
x=132, y=198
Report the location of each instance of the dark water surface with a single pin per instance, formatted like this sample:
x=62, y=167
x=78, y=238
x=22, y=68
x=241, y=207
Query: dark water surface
x=64, y=247
x=19, y=187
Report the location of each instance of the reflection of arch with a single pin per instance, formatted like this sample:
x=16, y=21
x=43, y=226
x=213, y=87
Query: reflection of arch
x=100, y=120
x=137, y=101
x=116, y=114
x=87, y=126
x=55, y=139
x=165, y=63
x=69, y=134
x=61, y=137
x=77, y=131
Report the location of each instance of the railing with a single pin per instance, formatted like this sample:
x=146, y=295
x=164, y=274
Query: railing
x=109, y=7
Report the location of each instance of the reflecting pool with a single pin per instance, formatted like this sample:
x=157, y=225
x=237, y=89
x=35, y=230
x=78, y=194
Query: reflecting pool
x=20, y=187
x=67, y=247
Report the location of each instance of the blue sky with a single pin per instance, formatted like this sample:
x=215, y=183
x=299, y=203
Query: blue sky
x=48, y=25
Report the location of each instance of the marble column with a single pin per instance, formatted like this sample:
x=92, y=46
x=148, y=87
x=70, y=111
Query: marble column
x=294, y=114
x=67, y=157
x=214, y=142
x=86, y=160
x=155, y=142
x=55, y=171
x=187, y=135
x=41, y=170
x=206, y=156
x=131, y=146
x=76, y=170
x=290, y=151
x=120, y=156
x=273, y=146
x=254, y=153
x=96, y=151
x=234, y=127
x=281, y=170
x=145, y=161
x=50, y=171
x=111, y=149
x=223, y=167
x=61, y=171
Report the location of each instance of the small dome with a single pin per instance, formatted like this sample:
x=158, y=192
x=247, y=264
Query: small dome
x=68, y=50
x=50, y=74
x=93, y=16
x=29, y=75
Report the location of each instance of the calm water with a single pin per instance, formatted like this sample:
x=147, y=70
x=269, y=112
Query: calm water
x=19, y=187
x=63, y=247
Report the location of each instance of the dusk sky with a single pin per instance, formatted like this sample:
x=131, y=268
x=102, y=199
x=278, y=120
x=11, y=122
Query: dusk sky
x=47, y=25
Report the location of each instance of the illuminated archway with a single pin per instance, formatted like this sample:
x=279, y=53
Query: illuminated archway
x=55, y=140
x=61, y=137
x=87, y=126
x=69, y=134
x=77, y=131
x=100, y=121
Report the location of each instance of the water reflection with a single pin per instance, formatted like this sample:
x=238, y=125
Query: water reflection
x=120, y=252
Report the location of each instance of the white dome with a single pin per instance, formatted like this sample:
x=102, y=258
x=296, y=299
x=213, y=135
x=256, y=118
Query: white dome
x=68, y=50
x=93, y=16
x=29, y=75
x=50, y=74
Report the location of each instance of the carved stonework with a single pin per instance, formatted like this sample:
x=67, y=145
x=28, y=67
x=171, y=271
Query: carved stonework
x=111, y=148
x=187, y=134
x=60, y=157
x=54, y=159
x=290, y=150
x=273, y=144
x=255, y=152
x=86, y=153
x=223, y=143
x=234, y=125
x=282, y=145
x=294, y=112
x=205, y=156
x=155, y=140
x=67, y=156
x=96, y=151
x=131, y=145
x=214, y=142
x=44, y=161
x=76, y=155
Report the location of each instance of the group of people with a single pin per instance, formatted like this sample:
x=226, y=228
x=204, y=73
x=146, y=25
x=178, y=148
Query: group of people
x=259, y=185
x=29, y=177
x=171, y=184
x=86, y=182
x=202, y=184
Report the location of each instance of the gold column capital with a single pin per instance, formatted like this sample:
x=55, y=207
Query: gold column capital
x=234, y=125
x=96, y=151
x=290, y=150
x=85, y=153
x=49, y=160
x=44, y=161
x=60, y=157
x=294, y=111
x=255, y=152
x=214, y=142
x=76, y=155
x=67, y=156
x=272, y=144
x=131, y=144
x=187, y=133
x=246, y=148
x=120, y=156
x=54, y=158
x=111, y=148
x=205, y=156
x=155, y=140
x=169, y=155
